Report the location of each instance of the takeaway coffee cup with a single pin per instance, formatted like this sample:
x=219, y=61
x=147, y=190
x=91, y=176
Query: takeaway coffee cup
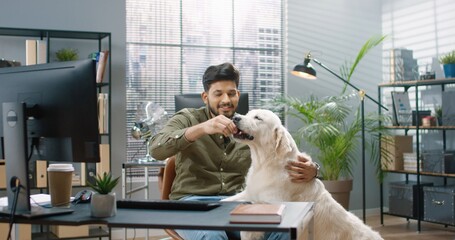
x=60, y=184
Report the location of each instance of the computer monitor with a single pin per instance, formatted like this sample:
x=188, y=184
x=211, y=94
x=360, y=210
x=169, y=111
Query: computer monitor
x=49, y=112
x=194, y=100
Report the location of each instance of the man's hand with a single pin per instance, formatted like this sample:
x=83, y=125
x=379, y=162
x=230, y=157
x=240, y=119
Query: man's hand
x=220, y=124
x=302, y=170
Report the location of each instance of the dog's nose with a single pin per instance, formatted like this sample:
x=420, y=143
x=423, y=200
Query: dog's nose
x=236, y=118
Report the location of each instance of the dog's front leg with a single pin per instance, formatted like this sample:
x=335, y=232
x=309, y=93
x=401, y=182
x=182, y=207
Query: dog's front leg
x=237, y=197
x=251, y=235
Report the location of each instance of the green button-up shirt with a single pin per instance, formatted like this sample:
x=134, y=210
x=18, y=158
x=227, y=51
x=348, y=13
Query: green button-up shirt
x=211, y=165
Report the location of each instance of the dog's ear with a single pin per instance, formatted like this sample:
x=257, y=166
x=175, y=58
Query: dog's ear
x=283, y=143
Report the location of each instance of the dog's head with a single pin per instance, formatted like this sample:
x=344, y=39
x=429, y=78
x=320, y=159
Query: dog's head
x=263, y=128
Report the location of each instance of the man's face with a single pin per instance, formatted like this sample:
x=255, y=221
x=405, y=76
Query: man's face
x=222, y=98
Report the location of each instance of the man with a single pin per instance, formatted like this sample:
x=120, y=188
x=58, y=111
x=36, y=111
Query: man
x=209, y=166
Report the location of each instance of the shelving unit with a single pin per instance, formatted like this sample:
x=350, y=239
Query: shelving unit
x=91, y=41
x=418, y=131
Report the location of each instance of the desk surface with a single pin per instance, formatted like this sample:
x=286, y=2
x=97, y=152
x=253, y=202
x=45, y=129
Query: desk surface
x=215, y=219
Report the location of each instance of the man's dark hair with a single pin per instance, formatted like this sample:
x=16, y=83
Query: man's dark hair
x=224, y=71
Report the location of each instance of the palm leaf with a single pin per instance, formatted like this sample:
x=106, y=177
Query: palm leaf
x=347, y=70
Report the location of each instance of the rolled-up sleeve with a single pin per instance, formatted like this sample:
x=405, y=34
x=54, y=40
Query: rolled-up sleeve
x=171, y=139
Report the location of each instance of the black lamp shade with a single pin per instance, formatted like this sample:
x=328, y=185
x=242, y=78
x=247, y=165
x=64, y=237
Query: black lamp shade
x=305, y=70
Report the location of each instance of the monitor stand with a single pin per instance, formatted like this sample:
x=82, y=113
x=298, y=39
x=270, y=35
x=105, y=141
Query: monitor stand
x=36, y=211
x=16, y=161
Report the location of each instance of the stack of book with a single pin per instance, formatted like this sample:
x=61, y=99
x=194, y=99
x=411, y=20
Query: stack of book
x=257, y=213
x=410, y=162
x=35, y=51
x=103, y=112
x=101, y=59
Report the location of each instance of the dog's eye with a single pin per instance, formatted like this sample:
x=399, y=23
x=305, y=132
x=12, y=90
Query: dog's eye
x=257, y=118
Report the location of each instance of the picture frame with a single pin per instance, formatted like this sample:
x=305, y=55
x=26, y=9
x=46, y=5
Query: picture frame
x=402, y=112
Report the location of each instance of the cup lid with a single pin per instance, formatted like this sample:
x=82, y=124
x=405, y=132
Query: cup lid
x=60, y=167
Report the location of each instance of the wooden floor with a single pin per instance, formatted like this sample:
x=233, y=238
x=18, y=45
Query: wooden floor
x=394, y=228
x=400, y=228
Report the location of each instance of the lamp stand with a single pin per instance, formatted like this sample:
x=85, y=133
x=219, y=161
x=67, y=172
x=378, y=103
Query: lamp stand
x=362, y=110
x=362, y=96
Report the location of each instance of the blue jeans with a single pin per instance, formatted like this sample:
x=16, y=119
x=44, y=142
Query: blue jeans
x=220, y=235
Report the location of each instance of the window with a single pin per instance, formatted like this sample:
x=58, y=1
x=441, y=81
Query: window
x=170, y=43
x=419, y=33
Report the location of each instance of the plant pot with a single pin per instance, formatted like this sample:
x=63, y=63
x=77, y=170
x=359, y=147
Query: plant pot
x=340, y=190
x=103, y=205
x=449, y=70
x=439, y=121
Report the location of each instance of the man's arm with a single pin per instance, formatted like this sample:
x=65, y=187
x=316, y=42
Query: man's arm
x=170, y=139
x=219, y=124
x=302, y=170
x=181, y=130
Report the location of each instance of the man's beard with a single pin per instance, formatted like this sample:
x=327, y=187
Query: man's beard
x=215, y=112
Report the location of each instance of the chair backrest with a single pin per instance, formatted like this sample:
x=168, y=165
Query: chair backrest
x=168, y=178
x=194, y=100
x=166, y=185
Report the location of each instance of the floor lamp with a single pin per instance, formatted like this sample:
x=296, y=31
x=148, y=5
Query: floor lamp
x=307, y=71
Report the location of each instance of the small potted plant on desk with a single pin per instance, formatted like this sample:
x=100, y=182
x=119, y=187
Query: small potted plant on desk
x=103, y=203
x=448, y=63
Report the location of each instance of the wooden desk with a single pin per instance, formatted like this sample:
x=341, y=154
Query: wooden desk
x=297, y=219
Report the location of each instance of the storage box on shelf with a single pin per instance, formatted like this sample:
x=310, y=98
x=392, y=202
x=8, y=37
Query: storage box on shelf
x=449, y=162
x=24, y=229
x=69, y=231
x=396, y=146
x=438, y=161
x=403, y=198
x=439, y=204
x=73, y=232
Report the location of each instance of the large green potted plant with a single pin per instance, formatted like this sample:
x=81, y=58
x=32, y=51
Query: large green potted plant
x=332, y=129
x=103, y=203
x=448, y=63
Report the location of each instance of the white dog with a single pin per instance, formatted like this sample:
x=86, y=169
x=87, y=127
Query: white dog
x=268, y=181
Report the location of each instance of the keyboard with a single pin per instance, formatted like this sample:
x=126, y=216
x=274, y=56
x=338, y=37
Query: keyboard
x=167, y=204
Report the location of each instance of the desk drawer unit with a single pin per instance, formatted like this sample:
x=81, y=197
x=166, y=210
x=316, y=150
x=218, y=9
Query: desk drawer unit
x=439, y=204
x=403, y=198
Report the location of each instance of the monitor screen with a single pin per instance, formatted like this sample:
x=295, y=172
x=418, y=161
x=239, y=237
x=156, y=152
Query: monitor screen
x=61, y=102
x=194, y=100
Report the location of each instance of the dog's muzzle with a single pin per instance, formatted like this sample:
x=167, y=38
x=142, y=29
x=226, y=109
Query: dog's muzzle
x=240, y=134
